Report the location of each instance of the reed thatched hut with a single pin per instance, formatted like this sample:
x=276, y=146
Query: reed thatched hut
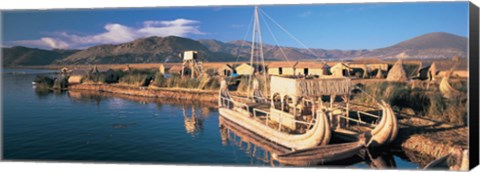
x=359, y=70
x=312, y=68
x=245, y=69
x=370, y=67
x=282, y=68
x=397, y=73
x=225, y=70
x=372, y=64
x=340, y=69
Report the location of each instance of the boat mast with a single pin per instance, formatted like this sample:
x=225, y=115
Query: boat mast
x=256, y=30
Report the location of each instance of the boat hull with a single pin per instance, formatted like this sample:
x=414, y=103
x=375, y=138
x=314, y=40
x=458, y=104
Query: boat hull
x=319, y=134
x=320, y=154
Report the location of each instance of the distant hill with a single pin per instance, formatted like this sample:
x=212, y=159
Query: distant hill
x=272, y=52
x=145, y=50
x=24, y=56
x=167, y=49
x=428, y=46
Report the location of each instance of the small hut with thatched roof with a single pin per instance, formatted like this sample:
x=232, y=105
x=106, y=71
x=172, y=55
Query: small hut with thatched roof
x=397, y=73
x=312, y=68
x=340, y=69
x=245, y=69
x=225, y=70
x=372, y=64
x=359, y=70
x=281, y=68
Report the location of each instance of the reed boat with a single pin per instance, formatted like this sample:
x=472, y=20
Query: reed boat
x=293, y=121
x=293, y=115
x=278, y=121
x=325, y=154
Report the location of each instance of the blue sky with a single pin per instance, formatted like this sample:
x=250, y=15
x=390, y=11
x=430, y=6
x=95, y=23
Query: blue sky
x=328, y=26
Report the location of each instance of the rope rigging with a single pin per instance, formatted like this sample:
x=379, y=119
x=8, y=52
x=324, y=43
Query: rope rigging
x=291, y=35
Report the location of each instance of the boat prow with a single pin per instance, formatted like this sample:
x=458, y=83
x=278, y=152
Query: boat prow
x=387, y=129
x=384, y=132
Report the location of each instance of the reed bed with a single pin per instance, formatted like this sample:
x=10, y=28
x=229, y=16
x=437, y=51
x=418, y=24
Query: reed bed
x=426, y=102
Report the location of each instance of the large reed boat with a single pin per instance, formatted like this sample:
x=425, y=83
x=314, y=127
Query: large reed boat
x=296, y=116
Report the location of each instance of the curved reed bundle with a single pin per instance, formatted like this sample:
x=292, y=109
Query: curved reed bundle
x=446, y=89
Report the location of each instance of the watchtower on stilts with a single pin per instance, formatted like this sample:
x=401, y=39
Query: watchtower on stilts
x=192, y=63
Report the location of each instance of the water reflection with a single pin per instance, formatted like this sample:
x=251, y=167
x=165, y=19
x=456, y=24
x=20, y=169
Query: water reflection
x=41, y=92
x=378, y=159
x=95, y=96
x=255, y=147
x=194, y=113
x=192, y=123
x=86, y=97
x=261, y=149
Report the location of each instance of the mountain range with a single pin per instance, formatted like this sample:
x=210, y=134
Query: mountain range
x=25, y=56
x=167, y=49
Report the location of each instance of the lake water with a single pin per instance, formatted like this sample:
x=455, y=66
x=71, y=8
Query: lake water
x=89, y=126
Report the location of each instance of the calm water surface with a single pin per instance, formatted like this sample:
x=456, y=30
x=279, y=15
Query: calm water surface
x=76, y=126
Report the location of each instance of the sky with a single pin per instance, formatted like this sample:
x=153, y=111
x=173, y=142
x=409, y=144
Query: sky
x=327, y=26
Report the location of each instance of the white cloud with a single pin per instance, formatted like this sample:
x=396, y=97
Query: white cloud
x=45, y=42
x=54, y=43
x=116, y=33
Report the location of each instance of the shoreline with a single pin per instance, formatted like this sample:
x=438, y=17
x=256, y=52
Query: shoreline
x=166, y=93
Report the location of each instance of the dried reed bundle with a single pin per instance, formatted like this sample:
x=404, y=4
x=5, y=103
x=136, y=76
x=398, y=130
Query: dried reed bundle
x=397, y=73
